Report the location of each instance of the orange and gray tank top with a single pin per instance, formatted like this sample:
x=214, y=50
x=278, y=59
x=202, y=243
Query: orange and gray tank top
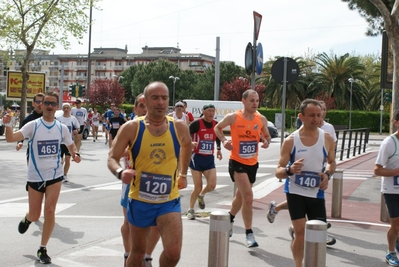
x=245, y=135
x=155, y=159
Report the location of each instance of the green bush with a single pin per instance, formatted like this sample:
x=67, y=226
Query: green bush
x=360, y=119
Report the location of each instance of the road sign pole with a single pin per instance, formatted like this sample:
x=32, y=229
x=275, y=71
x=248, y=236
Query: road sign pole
x=283, y=100
x=253, y=62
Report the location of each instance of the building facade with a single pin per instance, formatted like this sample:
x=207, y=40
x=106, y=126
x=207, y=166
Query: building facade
x=105, y=63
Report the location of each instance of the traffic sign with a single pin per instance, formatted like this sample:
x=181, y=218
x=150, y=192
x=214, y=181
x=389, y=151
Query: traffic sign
x=248, y=58
x=257, y=21
x=278, y=70
x=259, y=58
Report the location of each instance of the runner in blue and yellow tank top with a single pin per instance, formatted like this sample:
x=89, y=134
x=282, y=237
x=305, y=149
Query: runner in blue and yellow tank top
x=157, y=145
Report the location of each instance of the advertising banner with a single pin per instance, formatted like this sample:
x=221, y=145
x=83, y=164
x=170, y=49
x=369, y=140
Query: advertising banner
x=36, y=84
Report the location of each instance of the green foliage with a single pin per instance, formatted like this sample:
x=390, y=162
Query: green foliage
x=40, y=24
x=372, y=15
x=191, y=85
x=360, y=119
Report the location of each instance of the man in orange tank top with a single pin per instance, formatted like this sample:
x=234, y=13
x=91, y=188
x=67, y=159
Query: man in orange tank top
x=246, y=126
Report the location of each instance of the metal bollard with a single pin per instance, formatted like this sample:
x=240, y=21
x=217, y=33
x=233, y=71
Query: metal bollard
x=384, y=216
x=336, y=200
x=218, y=249
x=315, y=243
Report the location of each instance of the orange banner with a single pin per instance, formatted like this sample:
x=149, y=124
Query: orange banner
x=36, y=84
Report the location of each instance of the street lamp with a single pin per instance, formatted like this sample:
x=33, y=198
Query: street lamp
x=351, y=80
x=174, y=85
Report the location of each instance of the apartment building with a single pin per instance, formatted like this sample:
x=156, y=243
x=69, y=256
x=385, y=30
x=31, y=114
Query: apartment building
x=105, y=63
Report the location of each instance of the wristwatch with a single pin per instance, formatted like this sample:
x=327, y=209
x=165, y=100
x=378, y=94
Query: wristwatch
x=118, y=173
x=287, y=170
x=328, y=175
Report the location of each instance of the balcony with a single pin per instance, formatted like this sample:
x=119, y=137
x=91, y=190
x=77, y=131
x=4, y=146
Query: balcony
x=81, y=67
x=81, y=78
x=119, y=68
x=100, y=67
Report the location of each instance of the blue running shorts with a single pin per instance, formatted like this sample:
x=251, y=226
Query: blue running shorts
x=125, y=195
x=143, y=214
x=202, y=163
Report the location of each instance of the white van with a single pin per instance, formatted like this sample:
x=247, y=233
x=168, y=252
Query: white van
x=221, y=108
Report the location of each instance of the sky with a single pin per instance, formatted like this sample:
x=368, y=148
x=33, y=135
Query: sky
x=289, y=28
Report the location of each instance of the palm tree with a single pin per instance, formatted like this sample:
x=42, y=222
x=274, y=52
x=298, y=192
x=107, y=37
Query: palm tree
x=332, y=75
x=296, y=91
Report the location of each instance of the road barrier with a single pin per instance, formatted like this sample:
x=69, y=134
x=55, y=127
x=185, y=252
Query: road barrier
x=315, y=243
x=336, y=201
x=218, y=249
x=354, y=141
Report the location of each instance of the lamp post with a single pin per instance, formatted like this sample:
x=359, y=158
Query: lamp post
x=174, y=86
x=351, y=80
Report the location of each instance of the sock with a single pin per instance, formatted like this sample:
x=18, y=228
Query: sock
x=146, y=256
x=391, y=252
x=26, y=220
x=231, y=217
x=248, y=231
x=126, y=254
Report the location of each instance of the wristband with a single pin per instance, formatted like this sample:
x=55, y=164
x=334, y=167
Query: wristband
x=183, y=175
x=218, y=148
x=77, y=153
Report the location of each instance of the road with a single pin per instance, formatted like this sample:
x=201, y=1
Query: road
x=88, y=219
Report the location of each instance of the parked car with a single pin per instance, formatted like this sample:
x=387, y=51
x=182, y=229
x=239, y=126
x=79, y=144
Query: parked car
x=272, y=129
x=2, y=127
x=85, y=133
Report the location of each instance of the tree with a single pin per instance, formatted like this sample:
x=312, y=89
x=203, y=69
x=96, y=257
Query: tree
x=233, y=91
x=383, y=15
x=296, y=92
x=205, y=89
x=42, y=24
x=333, y=74
x=103, y=92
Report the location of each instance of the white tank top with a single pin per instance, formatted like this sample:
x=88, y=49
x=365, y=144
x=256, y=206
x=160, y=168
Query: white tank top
x=307, y=182
x=183, y=118
x=95, y=119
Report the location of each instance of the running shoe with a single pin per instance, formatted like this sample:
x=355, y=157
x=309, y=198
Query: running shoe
x=330, y=240
x=147, y=262
x=106, y=142
x=65, y=179
x=397, y=244
x=191, y=214
x=250, y=241
x=201, y=202
x=94, y=140
x=271, y=215
x=23, y=225
x=42, y=255
x=392, y=259
x=291, y=231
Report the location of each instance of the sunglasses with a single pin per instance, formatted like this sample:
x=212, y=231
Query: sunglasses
x=48, y=103
x=38, y=101
x=179, y=106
